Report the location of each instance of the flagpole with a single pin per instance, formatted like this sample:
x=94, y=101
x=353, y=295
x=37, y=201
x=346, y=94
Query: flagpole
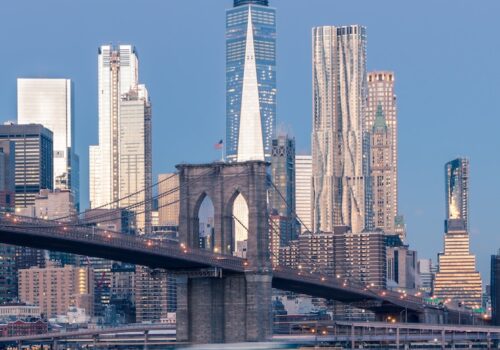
x=222, y=152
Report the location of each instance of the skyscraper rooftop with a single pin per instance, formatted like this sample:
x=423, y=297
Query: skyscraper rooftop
x=251, y=2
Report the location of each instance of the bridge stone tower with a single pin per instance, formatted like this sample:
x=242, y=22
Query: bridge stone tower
x=234, y=307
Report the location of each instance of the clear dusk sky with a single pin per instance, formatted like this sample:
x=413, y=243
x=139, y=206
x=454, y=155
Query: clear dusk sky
x=445, y=54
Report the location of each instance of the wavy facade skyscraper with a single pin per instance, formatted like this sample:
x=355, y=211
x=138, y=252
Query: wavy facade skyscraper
x=338, y=147
x=250, y=80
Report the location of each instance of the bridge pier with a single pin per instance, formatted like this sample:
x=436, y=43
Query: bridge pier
x=234, y=307
x=231, y=309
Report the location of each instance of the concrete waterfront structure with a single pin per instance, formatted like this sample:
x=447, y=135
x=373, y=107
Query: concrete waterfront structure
x=235, y=307
x=303, y=184
x=33, y=159
x=54, y=288
x=250, y=80
x=120, y=165
x=382, y=123
x=50, y=102
x=338, y=144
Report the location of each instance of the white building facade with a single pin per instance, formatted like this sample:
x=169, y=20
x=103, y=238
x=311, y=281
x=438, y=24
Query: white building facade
x=50, y=102
x=339, y=99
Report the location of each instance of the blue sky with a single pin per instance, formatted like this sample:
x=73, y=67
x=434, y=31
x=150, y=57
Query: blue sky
x=445, y=55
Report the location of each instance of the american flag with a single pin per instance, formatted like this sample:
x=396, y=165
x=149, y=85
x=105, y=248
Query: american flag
x=219, y=144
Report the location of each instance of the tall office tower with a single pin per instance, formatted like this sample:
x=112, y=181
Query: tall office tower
x=34, y=160
x=250, y=80
x=282, y=199
x=381, y=102
x=425, y=275
x=382, y=172
x=54, y=288
x=168, y=199
x=121, y=164
x=401, y=265
x=457, y=191
x=495, y=289
x=457, y=277
x=303, y=183
x=7, y=173
x=122, y=291
x=8, y=273
x=282, y=196
x=50, y=102
x=338, y=145
x=135, y=162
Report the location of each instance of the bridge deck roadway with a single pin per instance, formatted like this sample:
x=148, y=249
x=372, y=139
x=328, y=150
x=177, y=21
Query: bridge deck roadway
x=89, y=241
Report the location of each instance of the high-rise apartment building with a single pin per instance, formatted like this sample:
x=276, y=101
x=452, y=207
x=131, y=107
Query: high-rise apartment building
x=457, y=191
x=381, y=102
x=121, y=164
x=50, y=102
x=55, y=289
x=33, y=160
x=151, y=294
x=457, y=277
x=361, y=257
x=303, y=183
x=338, y=144
x=250, y=80
x=168, y=199
x=495, y=289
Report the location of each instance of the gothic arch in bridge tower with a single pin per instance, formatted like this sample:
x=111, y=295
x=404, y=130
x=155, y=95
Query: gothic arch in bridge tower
x=230, y=186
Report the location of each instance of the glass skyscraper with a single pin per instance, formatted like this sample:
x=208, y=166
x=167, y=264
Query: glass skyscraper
x=457, y=190
x=120, y=166
x=250, y=80
x=457, y=277
x=338, y=143
x=50, y=102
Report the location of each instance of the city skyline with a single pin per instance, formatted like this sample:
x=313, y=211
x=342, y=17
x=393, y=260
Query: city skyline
x=409, y=161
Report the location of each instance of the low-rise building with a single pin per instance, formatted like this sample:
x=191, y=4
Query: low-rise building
x=54, y=289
